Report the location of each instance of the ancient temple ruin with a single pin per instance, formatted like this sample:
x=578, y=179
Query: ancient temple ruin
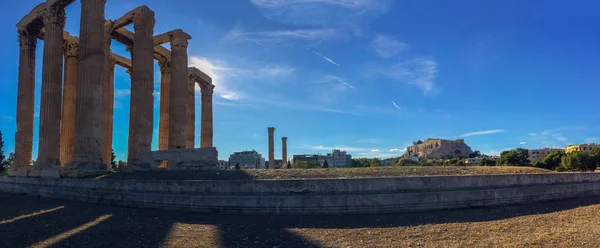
x=76, y=113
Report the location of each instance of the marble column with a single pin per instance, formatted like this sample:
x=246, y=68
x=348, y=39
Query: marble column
x=25, y=104
x=284, y=152
x=141, y=112
x=206, y=129
x=190, y=127
x=67, y=128
x=108, y=99
x=179, y=90
x=163, y=124
x=271, y=148
x=50, y=104
x=87, y=161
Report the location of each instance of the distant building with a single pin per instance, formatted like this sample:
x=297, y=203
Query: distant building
x=540, y=154
x=277, y=164
x=387, y=162
x=247, y=159
x=335, y=159
x=581, y=148
x=223, y=165
x=439, y=149
x=472, y=161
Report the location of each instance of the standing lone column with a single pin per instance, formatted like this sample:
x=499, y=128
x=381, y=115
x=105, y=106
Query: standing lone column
x=190, y=127
x=206, y=130
x=284, y=152
x=178, y=90
x=141, y=112
x=50, y=105
x=67, y=128
x=25, y=103
x=90, y=77
x=163, y=124
x=271, y=148
x=108, y=98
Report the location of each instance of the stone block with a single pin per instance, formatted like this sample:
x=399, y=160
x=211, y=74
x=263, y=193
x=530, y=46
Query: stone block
x=35, y=172
x=183, y=159
x=50, y=173
x=18, y=173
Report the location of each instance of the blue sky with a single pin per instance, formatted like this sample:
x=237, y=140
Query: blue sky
x=368, y=76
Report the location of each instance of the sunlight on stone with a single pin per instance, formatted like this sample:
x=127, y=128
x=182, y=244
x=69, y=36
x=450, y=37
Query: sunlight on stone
x=30, y=215
x=186, y=235
x=62, y=236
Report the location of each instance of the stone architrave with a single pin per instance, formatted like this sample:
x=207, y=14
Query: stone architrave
x=284, y=152
x=271, y=148
x=163, y=124
x=108, y=91
x=190, y=127
x=179, y=90
x=67, y=129
x=50, y=105
x=141, y=113
x=25, y=103
x=87, y=161
x=206, y=129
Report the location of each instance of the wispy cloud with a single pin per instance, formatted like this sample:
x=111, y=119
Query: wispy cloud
x=372, y=141
x=122, y=93
x=421, y=72
x=396, y=105
x=284, y=36
x=523, y=143
x=375, y=150
x=482, y=133
x=330, y=79
x=532, y=134
x=343, y=148
x=323, y=57
x=387, y=47
x=398, y=150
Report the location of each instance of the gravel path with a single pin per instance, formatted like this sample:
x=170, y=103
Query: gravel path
x=30, y=221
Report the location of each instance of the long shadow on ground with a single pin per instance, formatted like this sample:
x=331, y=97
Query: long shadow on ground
x=75, y=224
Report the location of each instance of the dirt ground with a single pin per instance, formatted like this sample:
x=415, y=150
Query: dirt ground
x=27, y=221
x=392, y=171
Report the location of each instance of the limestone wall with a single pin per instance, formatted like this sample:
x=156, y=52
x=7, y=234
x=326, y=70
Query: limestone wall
x=327, y=196
x=439, y=148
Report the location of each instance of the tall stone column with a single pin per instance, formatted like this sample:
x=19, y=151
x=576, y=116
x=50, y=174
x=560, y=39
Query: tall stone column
x=284, y=152
x=108, y=98
x=25, y=104
x=271, y=148
x=163, y=123
x=178, y=90
x=141, y=113
x=206, y=130
x=50, y=106
x=90, y=77
x=190, y=127
x=67, y=128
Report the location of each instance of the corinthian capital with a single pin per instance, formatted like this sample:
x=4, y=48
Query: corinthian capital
x=54, y=16
x=26, y=38
x=207, y=89
x=165, y=65
x=70, y=47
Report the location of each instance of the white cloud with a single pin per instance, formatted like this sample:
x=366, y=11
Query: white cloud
x=523, y=143
x=560, y=138
x=375, y=150
x=284, y=36
x=396, y=105
x=482, y=133
x=397, y=150
x=532, y=134
x=323, y=57
x=387, y=47
x=421, y=72
x=121, y=93
x=330, y=79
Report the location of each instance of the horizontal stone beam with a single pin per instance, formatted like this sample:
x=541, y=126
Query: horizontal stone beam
x=33, y=16
x=122, y=61
x=198, y=75
x=59, y=3
x=126, y=37
x=166, y=37
x=126, y=19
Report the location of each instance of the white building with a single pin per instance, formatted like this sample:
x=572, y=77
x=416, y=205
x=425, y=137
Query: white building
x=472, y=161
x=247, y=159
x=340, y=159
x=223, y=165
x=540, y=154
x=387, y=162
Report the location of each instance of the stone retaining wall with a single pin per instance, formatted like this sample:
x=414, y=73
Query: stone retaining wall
x=315, y=196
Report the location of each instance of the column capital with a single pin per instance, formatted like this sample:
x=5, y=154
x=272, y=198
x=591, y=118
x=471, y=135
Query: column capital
x=165, y=65
x=70, y=47
x=207, y=89
x=179, y=38
x=54, y=15
x=26, y=38
x=129, y=48
x=143, y=18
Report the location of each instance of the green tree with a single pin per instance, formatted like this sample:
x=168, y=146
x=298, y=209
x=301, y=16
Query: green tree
x=306, y=164
x=517, y=156
x=486, y=161
x=112, y=157
x=325, y=164
x=475, y=154
x=578, y=161
x=423, y=162
x=2, y=157
x=375, y=162
x=406, y=162
x=552, y=161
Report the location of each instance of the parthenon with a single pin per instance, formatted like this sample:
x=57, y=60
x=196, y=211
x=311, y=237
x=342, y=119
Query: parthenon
x=76, y=112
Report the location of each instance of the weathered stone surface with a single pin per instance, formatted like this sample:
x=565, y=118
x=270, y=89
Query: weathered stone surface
x=284, y=160
x=50, y=106
x=108, y=98
x=271, y=148
x=206, y=128
x=190, y=127
x=141, y=111
x=178, y=90
x=438, y=148
x=163, y=124
x=179, y=159
x=90, y=77
x=67, y=129
x=25, y=103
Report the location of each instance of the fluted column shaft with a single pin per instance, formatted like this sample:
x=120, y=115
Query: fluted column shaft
x=67, y=128
x=271, y=148
x=178, y=91
x=190, y=127
x=141, y=113
x=50, y=105
x=25, y=101
x=90, y=77
x=206, y=129
x=284, y=151
x=163, y=124
x=108, y=95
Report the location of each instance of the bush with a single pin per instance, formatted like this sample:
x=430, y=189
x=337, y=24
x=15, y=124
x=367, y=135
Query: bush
x=578, y=161
x=551, y=162
x=406, y=162
x=485, y=161
x=306, y=165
